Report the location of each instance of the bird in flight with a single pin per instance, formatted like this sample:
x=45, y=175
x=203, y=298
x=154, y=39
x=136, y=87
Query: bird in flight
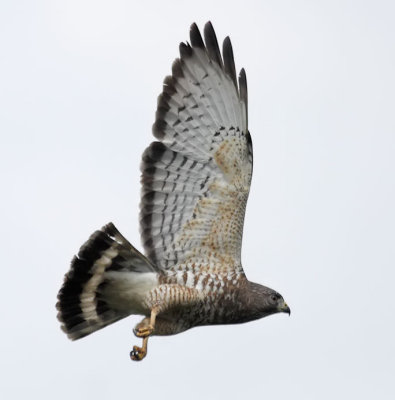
x=195, y=184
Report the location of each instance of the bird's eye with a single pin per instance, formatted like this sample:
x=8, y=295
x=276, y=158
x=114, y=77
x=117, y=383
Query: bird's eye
x=274, y=298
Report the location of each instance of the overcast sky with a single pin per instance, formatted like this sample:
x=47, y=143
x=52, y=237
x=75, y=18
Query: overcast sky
x=78, y=87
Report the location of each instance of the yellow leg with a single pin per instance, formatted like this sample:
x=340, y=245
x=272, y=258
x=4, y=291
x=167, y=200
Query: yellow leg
x=143, y=330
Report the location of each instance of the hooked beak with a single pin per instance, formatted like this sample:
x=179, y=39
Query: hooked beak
x=284, y=308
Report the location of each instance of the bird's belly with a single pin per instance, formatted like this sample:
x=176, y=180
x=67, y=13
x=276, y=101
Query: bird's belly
x=211, y=310
x=218, y=304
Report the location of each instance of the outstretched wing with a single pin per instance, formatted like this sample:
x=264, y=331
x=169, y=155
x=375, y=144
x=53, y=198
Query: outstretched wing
x=196, y=178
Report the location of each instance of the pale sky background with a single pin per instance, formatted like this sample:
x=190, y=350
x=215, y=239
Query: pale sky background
x=78, y=87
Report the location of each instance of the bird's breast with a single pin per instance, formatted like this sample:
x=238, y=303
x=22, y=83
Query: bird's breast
x=220, y=302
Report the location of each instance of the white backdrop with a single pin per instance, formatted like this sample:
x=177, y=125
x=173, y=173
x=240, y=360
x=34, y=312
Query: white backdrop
x=78, y=88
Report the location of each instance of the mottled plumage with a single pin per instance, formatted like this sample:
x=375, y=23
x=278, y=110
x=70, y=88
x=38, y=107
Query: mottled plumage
x=196, y=180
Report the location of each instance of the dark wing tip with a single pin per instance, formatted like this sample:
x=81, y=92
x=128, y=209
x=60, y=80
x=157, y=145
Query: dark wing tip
x=229, y=62
x=185, y=50
x=196, y=37
x=243, y=86
x=212, y=44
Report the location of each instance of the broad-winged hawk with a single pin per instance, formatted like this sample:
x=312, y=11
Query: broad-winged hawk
x=196, y=179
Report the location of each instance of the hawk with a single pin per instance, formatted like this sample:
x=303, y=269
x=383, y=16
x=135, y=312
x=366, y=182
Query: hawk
x=195, y=184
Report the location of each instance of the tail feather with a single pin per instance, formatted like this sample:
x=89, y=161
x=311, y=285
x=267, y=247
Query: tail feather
x=83, y=307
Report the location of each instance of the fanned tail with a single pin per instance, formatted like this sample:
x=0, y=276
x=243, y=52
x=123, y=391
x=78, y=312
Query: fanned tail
x=86, y=300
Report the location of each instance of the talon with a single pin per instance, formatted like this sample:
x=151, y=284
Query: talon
x=143, y=331
x=138, y=353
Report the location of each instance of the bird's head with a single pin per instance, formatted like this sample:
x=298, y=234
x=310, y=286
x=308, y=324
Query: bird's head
x=266, y=301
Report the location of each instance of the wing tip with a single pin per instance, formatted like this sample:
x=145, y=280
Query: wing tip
x=210, y=46
x=196, y=37
x=225, y=59
x=211, y=41
x=229, y=62
x=243, y=89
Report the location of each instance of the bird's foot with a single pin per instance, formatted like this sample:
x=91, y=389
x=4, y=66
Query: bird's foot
x=138, y=353
x=143, y=331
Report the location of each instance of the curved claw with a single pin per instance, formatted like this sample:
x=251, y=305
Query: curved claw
x=138, y=353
